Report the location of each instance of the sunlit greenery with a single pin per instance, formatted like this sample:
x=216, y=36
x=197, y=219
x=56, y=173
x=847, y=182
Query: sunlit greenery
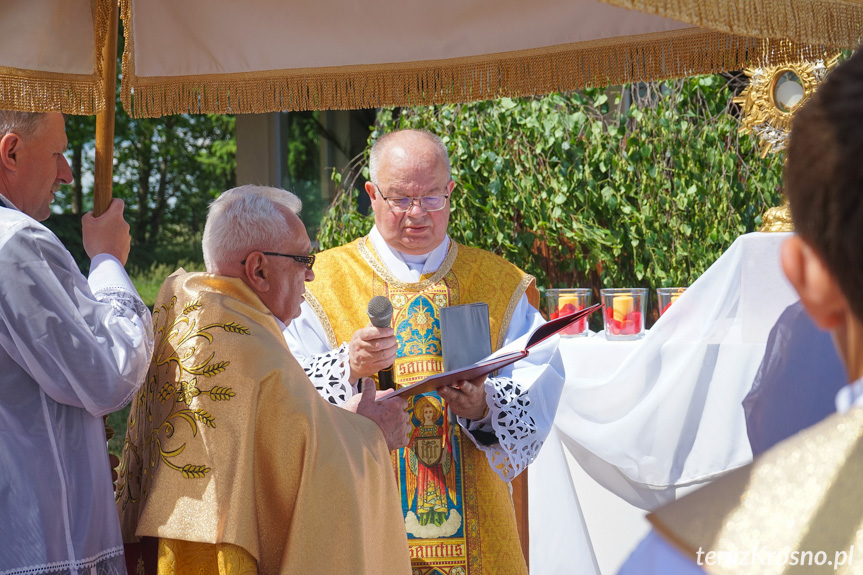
x=579, y=190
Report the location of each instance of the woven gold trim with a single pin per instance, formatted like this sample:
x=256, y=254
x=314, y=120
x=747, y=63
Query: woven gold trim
x=322, y=317
x=835, y=23
x=43, y=91
x=565, y=67
x=371, y=258
x=27, y=91
x=510, y=308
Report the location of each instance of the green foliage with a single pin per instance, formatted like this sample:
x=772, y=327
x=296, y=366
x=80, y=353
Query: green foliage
x=580, y=192
x=149, y=280
x=117, y=421
x=169, y=169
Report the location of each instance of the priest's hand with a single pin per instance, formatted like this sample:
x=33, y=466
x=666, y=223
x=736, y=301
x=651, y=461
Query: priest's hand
x=466, y=398
x=107, y=234
x=371, y=349
x=391, y=415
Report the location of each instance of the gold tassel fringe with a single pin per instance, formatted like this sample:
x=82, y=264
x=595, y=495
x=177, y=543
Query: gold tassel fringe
x=23, y=91
x=560, y=68
x=834, y=23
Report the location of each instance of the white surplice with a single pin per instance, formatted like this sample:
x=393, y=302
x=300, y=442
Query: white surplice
x=72, y=349
x=537, y=380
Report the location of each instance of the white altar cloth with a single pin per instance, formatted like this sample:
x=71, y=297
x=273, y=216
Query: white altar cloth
x=654, y=418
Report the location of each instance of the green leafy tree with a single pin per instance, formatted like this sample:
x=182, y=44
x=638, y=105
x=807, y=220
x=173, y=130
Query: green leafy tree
x=582, y=191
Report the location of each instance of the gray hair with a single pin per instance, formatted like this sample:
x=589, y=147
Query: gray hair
x=242, y=220
x=21, y=123
x=382, y=143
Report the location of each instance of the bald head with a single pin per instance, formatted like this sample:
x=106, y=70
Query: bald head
x=403, y=145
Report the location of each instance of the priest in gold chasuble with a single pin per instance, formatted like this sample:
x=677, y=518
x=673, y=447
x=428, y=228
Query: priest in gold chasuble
x=233, y=463
x=468, y=443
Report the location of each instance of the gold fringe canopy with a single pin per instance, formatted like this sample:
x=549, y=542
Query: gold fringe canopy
x=646, y=57
x=41, y=91
x=834, y=23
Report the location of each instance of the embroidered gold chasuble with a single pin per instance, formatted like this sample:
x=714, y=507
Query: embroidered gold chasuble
x=796, y=507
x=228, y=443
x=458, y=513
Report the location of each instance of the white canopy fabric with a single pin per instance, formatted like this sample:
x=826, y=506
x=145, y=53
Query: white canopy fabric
x=226, y=56
x=267, y=55
x=48, y=55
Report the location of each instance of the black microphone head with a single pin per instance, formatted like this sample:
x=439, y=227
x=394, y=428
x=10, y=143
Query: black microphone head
x=380, y=311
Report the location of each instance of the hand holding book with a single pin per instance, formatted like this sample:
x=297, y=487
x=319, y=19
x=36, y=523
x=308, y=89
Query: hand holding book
x=497, y=360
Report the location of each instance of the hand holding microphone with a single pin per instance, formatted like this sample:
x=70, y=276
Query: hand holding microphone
x=372, y=348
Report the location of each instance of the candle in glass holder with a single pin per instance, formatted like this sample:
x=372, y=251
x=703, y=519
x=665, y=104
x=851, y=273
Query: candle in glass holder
x=564, y=301
x=624, y=312
x=621, y=305
x=668, y=296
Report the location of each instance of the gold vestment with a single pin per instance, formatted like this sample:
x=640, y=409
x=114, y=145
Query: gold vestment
x=229, y=443
x=446, y=484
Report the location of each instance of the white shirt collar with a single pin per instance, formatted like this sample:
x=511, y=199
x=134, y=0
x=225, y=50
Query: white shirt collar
x=850, y=396
x=406, y=267
x=8, y=203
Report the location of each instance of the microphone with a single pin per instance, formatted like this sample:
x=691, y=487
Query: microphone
x=380, y=312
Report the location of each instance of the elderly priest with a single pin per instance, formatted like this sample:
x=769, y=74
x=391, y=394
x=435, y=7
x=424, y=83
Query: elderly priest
x=232, y=460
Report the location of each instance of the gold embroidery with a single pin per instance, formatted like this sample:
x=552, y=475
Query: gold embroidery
x=510, y=308
x=178, y=337
x=322, y=317
x=367, y=251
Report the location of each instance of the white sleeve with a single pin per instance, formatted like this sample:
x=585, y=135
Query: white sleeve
x=86, y=346
x=522, y=400
x=326, y=367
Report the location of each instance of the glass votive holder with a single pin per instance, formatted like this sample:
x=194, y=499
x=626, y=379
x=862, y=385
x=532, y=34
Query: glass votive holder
x=564, y=301
x=623, y=314
x=668, y=296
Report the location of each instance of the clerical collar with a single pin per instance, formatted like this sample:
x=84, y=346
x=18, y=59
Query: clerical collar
x=405, y=267
x=849, y=396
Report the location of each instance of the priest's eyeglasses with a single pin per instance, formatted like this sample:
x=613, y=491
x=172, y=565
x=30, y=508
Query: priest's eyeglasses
x=401, y=204
x=309, y=261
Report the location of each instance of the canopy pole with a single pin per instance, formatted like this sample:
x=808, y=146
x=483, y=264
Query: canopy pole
x=104, y=171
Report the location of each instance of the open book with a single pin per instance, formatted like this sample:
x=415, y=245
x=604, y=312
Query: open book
x=495, y=361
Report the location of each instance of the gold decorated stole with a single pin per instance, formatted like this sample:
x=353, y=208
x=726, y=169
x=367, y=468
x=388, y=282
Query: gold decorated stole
x=458, y=513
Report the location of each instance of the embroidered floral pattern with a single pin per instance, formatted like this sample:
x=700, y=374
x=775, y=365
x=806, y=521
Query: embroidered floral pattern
x=177, y=338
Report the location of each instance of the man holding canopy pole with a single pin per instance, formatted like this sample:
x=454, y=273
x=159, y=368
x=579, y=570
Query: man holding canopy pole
x=72, y=349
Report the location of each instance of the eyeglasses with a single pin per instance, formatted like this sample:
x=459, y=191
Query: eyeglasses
x=308, y=260
x=402, y=204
